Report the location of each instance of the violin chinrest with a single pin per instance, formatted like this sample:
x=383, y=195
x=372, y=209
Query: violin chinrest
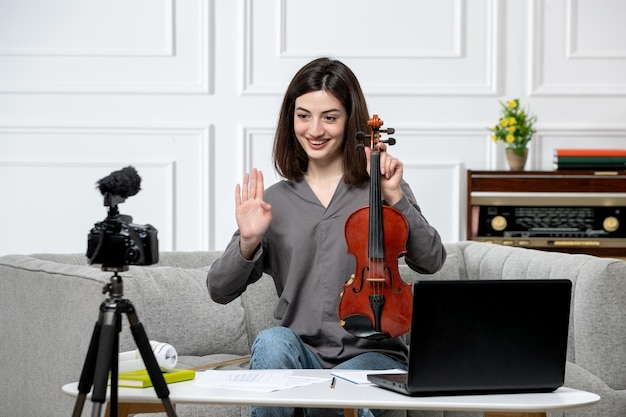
x=361, y=326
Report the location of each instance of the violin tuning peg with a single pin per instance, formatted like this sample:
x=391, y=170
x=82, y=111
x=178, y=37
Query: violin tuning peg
x=390, y=130
x=390, y=141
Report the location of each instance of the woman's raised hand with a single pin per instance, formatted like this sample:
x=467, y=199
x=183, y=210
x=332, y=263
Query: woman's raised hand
x=391, y=170
x=253, y=214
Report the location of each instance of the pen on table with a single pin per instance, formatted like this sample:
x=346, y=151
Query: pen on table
x=332, y=383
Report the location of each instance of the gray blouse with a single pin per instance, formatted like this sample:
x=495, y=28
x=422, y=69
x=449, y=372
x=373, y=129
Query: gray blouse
x=305, y=252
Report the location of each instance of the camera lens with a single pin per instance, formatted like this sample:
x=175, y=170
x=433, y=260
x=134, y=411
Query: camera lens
x=132, y=254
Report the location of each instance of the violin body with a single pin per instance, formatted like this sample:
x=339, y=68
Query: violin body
x=378, y=304
x=375, y=303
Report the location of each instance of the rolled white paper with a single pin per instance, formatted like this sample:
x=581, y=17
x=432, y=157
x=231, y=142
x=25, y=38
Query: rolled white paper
x=165, y=355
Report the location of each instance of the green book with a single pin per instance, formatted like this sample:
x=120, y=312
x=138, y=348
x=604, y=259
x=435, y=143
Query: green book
x=141, y=378
x=590, y=159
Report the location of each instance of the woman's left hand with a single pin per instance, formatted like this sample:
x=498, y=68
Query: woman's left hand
x=391, y=169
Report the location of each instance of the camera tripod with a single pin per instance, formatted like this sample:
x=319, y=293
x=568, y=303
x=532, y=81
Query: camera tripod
x=103, y=352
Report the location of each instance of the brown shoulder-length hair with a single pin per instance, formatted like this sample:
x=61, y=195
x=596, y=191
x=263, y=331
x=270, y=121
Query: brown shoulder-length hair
x=334, y=77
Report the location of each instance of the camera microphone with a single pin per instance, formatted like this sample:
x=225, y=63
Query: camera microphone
x=124, y=183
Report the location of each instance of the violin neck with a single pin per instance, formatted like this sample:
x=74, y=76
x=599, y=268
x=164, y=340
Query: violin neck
x=375, y=238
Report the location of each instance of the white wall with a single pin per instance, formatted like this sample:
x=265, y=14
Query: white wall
x=188, y=92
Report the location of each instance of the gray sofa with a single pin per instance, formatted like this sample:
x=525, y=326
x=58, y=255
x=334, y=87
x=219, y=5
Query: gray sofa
x=50, y=303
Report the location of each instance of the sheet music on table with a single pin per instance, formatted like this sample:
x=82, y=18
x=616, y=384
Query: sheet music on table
x=254, y=380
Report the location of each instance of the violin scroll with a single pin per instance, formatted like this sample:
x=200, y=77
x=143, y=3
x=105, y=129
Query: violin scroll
x=375, y=123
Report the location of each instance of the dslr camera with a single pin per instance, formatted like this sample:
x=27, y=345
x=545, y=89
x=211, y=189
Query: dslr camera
x=116, y=242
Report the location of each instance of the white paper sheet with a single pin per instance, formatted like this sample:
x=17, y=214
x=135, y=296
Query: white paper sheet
x=270, y=380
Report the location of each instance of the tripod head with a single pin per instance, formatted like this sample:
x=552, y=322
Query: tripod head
x=115, y=287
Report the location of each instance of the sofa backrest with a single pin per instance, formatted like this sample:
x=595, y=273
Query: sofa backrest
x=172, y=301
x=176, y=308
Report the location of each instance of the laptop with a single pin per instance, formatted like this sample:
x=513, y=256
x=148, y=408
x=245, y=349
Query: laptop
x=485, y=337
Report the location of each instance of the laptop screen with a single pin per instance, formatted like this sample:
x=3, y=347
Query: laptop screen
x=485, y=336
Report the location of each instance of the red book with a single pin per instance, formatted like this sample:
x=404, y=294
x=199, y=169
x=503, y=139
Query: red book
x=589, y=152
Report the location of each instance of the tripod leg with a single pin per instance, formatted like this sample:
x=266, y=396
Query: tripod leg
x=86, y=376
x=114, y=409
x=143, y=344
x=103, y=365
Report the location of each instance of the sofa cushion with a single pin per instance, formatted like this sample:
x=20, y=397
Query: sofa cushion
x=175, y=308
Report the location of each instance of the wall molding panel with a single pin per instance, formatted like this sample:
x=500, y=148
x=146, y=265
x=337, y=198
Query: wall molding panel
x=175, y=58
x=595, y=30
x=443, y=216
x=156, y=39
x=64, y=164
x=256, y=144
x=274, y=45
x=561, y=62
x=370, y=43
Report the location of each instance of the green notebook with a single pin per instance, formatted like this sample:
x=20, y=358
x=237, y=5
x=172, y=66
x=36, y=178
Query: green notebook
x=141, y=379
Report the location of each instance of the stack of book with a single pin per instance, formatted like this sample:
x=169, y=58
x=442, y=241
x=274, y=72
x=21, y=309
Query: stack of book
x=590, y=159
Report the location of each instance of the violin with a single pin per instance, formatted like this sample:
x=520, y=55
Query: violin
x=375, y=303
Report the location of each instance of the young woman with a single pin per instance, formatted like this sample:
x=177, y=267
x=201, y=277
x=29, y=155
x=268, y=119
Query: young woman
x=294, y=230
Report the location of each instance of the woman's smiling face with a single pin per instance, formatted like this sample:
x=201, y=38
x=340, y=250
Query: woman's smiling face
x=319, y=124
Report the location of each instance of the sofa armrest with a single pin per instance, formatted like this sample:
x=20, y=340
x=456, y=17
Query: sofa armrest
x=600, y=321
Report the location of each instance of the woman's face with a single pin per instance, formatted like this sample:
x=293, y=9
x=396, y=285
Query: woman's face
x=319, y=123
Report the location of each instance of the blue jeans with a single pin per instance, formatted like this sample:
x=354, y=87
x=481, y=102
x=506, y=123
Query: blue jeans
x=281, y=348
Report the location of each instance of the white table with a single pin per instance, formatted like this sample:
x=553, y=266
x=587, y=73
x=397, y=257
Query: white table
x=352, y=396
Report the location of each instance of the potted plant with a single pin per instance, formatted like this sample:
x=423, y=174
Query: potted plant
x=515, y=128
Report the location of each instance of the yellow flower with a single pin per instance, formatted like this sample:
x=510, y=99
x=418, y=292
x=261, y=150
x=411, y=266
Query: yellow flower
x=515, y=126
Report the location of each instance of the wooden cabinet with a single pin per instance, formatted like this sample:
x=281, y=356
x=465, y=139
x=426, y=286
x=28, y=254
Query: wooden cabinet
x=567, y=211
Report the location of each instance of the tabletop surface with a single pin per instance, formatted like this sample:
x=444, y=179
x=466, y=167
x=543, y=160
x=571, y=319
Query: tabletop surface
x=346, y=394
